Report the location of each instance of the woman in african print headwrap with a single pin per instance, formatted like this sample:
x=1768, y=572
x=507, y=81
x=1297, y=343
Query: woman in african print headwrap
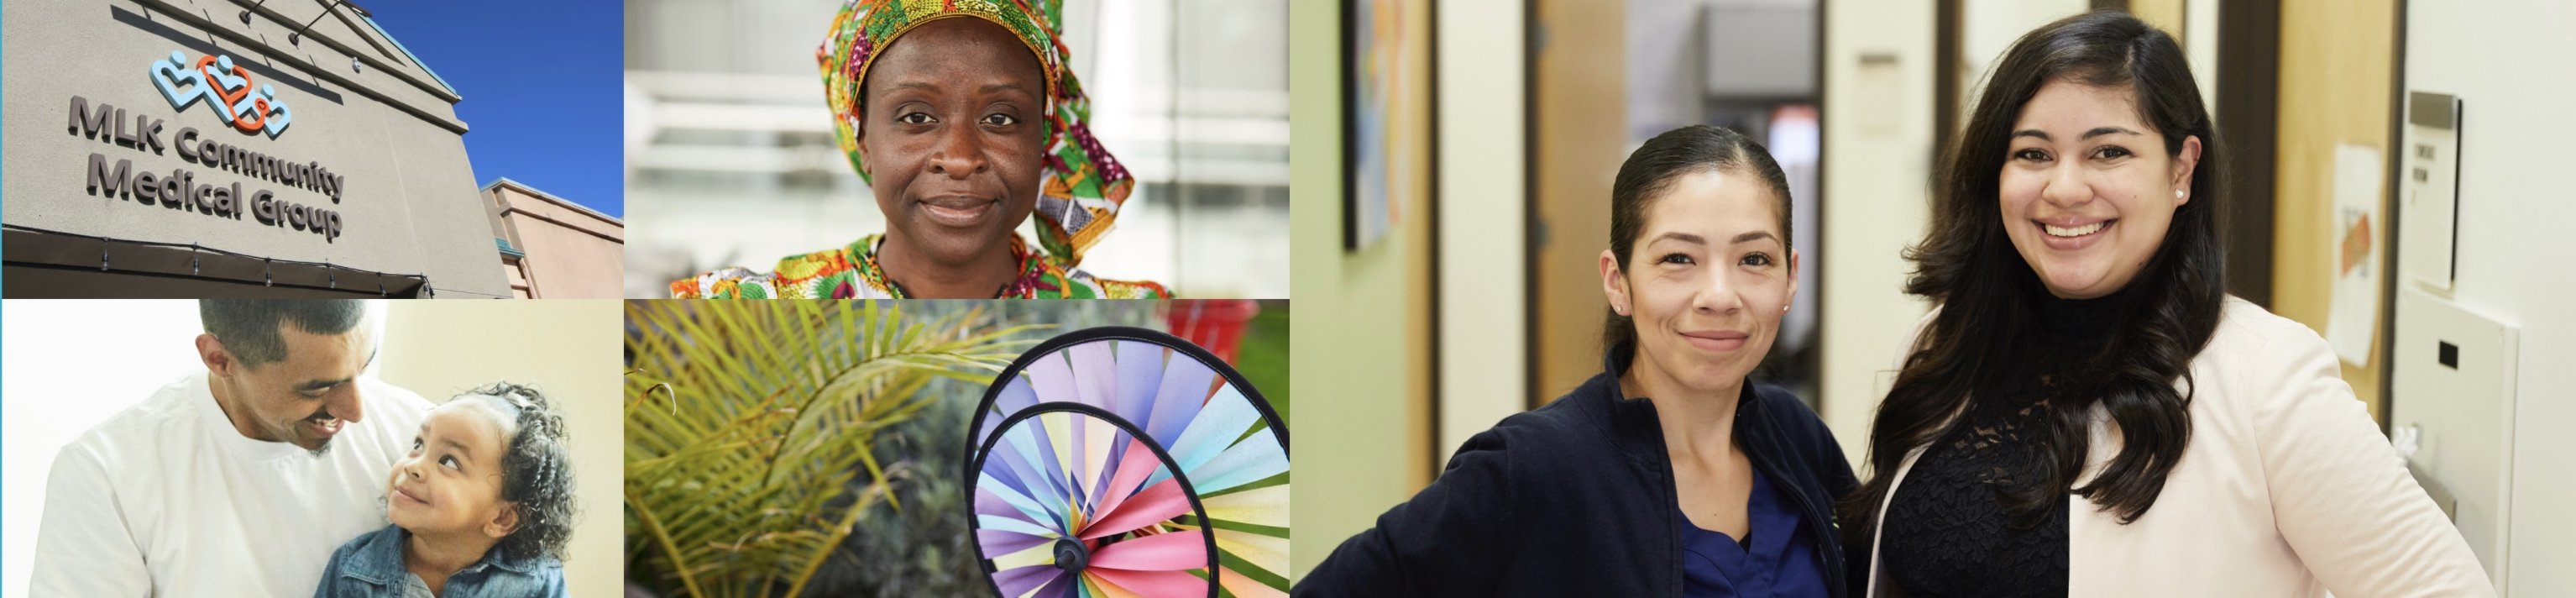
x=964, y=119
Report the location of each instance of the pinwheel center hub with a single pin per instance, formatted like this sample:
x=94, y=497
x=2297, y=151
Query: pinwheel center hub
x=1071, y=556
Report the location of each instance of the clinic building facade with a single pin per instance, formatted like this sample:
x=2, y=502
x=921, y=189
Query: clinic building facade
x=177, y=148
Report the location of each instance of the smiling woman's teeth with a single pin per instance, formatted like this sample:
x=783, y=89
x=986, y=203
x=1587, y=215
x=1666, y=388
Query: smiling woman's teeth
x=2060, y=231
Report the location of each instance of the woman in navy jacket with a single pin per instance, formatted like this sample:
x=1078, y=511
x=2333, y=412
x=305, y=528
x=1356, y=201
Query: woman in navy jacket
x=1670, y=473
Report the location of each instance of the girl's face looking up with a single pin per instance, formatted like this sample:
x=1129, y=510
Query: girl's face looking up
x=451, y=481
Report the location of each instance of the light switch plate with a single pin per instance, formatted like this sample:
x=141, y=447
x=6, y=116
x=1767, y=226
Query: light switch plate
x=2428, y=185
x=2455, y=381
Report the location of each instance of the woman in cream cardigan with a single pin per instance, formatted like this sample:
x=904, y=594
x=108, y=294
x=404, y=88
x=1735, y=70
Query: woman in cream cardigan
x=2088, y=413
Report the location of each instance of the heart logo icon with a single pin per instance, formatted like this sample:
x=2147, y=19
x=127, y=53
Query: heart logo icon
x=228, y=88
x=273, y=113
x=178, y=84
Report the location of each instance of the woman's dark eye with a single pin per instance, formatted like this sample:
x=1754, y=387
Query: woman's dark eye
x=450, y=462
x=913, y=118
x=415, y=445
x=2111, y=152
x=1001, y=120
x=1756, y=259
x=2030, y=154
x=1675, y=258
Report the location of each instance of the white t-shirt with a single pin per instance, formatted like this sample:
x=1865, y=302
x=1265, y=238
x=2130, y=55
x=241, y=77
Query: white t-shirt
x=167, y=499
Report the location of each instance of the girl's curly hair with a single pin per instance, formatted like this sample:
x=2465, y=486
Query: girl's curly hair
x=536, y=471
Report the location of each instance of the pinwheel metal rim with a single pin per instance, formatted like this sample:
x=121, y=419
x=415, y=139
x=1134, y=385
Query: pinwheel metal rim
x=988, y=437
x=1123, y=333
x=1190, y=491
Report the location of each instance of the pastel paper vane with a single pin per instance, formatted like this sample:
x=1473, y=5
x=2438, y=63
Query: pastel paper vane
x=1116, y=461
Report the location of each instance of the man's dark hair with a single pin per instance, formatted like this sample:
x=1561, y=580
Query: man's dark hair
x=249, y=328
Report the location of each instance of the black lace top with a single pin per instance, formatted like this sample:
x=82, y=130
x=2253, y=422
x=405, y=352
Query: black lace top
x=1947, y=531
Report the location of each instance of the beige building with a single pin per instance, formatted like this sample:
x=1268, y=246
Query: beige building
x=552, y=248
x=275, y=149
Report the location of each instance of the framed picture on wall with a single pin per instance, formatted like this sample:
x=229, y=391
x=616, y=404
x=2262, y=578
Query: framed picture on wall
x=1386, y=136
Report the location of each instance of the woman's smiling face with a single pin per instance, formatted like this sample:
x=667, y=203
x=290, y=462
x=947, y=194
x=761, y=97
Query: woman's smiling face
x=1707, y=280
x=953, y=136
x=2088, y=188
x=451, y=479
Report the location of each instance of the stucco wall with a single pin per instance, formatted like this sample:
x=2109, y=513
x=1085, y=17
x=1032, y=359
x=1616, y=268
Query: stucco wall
x=360, y=107
x=572, y=253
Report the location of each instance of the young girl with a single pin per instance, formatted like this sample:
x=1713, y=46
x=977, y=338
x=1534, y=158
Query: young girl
x=481, y=507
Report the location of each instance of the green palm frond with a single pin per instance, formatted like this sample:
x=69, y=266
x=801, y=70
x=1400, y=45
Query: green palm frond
x=748, y=422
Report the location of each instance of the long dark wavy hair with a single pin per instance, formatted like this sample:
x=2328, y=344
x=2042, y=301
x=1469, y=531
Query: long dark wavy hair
x=1652, y=169
x=1987, y=290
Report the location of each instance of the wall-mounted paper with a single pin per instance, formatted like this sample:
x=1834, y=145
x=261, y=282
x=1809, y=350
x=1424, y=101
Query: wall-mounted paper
x=2356, y=246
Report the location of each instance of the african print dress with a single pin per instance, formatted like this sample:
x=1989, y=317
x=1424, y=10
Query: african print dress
x=1080, y=186
x=852, y=273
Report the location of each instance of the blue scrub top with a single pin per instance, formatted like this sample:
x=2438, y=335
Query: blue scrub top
x=1779, y=560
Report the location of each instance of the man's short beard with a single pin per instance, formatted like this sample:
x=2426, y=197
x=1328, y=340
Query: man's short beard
x=318, y=451
x=295, y=435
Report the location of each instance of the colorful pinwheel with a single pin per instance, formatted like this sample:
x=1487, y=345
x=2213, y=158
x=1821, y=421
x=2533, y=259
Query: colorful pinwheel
x=1127, y=462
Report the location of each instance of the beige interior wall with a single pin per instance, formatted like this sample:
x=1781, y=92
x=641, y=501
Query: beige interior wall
x=2507, y=62
x=1483, y=111
x=1989, y=27
x=2336, y=61
x=2164, y=14
x=567, y=349
x=1360, y=367
x=1879, y=66
x=2200, y=40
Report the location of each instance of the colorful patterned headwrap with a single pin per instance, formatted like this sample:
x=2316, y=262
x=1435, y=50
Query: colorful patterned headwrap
x=1082, y=185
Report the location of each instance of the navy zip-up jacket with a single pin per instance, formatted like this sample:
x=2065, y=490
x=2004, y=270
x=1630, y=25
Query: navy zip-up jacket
x=1576, y=499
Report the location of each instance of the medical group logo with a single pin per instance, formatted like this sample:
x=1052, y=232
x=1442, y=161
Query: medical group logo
x=231, y=178
x=247, y=105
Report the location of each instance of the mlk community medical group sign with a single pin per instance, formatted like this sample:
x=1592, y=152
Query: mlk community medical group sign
x=248, y=109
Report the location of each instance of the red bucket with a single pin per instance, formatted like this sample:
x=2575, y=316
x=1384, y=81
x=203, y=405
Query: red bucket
x=1216, y=324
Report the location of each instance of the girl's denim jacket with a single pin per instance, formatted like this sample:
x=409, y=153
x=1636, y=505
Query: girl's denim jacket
x=372, y=565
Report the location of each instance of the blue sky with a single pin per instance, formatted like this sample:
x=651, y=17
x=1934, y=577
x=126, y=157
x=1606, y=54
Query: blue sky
x=541, y=86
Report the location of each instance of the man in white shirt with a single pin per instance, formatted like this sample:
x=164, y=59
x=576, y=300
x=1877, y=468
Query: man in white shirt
x=236, y=481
